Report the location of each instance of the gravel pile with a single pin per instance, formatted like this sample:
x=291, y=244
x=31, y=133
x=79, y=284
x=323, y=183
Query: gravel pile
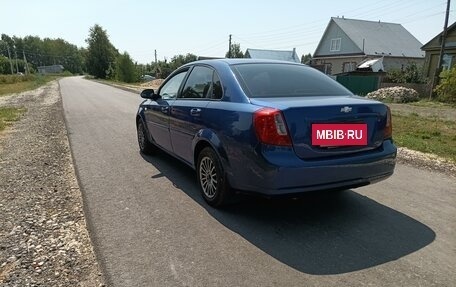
x=395, y=95
x=43, y=235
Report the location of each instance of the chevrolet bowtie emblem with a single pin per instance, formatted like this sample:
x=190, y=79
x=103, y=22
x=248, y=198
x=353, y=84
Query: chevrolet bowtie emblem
x=345, y=109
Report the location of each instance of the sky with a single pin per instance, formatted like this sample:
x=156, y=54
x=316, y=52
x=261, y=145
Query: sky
x=203, y=27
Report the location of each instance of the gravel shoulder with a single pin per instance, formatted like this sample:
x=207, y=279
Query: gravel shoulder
x=43, y=235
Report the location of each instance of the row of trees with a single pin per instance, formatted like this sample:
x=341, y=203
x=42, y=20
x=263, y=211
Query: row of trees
x=39, y=52
x=100, y=59
x=104, y=61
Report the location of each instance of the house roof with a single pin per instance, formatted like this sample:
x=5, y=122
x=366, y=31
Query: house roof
x=289, y=56
x=429, y=45
x=379, y=38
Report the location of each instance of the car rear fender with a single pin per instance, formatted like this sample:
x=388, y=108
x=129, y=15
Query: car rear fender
x=207, y=138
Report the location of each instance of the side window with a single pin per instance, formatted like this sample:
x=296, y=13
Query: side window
x=199, y=83
x=217, y=91
x=171, y=88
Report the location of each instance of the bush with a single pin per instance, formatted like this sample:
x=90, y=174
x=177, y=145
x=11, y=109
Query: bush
x=66, y=74
x=446, y=90
x=410, y=74
x=125, y=69
x=395, y=95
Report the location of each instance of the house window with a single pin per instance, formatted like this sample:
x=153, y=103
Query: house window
x=348, y=67
x=335, y=45
x=447, y=61
x=327, y=68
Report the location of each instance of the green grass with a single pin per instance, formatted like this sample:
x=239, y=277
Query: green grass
x=432, y=104
x=15, y=84
x=9, y=115
x=425, y=134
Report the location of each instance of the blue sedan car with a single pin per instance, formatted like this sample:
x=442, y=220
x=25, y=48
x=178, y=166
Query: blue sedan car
x=267, y=127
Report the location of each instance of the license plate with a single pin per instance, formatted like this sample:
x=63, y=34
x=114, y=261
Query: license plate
x=328, y=135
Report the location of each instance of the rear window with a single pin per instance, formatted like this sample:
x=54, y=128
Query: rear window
x=261, y=80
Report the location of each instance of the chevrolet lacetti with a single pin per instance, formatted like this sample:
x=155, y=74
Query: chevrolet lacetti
x=267, y=127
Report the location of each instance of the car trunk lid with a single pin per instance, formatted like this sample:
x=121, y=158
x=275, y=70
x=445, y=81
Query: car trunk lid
x=330, y=116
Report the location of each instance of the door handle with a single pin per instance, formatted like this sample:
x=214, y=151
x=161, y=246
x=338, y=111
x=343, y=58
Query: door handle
x=195, y=112
x=164, y=110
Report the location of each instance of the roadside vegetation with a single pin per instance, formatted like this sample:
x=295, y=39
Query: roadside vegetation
x=425, y=134
x=446, y=90
x=421, y=124
x=433, y=104
x=19, y=83
x=8, y=115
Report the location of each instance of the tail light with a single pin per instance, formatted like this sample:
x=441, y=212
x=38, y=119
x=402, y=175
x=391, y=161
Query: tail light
x=270, y=127
x=388, y=131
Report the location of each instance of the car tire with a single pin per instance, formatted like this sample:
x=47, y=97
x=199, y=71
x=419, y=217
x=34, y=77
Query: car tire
x=212, y=179
x=145, y=146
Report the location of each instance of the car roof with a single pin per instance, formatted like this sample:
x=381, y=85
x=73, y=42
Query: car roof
x=235, y=61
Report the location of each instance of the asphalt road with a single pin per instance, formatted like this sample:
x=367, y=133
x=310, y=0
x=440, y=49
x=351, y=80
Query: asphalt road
x=151, y=227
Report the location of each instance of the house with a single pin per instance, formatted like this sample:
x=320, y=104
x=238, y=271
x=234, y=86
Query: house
x=348, y=42
x=432, y=49
x=289, y=56
x=54, y=69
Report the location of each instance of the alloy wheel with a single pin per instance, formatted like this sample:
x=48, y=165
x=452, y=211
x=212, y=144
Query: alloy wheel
x=141, y=137
x=208, y=177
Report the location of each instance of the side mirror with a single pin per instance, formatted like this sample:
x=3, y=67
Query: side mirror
x=148, y=94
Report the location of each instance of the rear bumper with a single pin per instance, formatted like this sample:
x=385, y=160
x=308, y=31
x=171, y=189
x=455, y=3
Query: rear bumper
x=280, y=172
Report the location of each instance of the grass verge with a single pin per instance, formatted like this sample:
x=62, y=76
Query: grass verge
x=426, y=134
x=29, y=83
x=432, y=104
x=9, y=115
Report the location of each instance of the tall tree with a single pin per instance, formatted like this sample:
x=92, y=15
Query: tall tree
x=5, y=67
x=125, y=69
x=100, y=52
x=180, y=60
x=305, y=59
x=236, y=51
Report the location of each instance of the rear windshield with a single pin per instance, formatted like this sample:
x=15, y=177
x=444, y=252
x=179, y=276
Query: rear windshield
x=260, y=80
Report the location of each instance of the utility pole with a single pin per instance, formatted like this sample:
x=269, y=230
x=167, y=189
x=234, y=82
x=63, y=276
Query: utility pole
x=27, y=71
x=17, y=67
x=155, y=56
x=435, y=81
x=229, y=48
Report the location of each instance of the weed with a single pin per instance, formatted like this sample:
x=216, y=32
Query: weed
x=9, y=115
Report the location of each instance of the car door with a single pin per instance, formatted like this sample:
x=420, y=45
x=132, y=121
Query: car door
x=157, y=113
x=188, y=111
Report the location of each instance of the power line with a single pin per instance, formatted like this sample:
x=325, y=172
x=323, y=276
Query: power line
x=426, y=16
x=296, y=33
x=372, y=10
x=218, y=44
